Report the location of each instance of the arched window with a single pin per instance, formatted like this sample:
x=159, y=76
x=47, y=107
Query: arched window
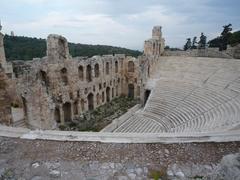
x=131, y=91
x=82, y=105
x=80, y=73
x=148, y=71
x=107, y=68
x=57, y=115
x=153, y=48
x=103, y=97
x=67, y=112
x=96, y=70
x=89, y=73
x=44, y=78
x=116, y=66
x=116, y=90
x=108, y=94
x=64, y=76
x=130, y=66
x=90, y=101
x=75, y=107
x=98, y=99
x=112, y=92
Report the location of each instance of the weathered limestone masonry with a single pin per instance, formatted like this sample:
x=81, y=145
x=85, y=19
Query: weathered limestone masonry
x=57, y=88
x=5, y=100
x=155, y=45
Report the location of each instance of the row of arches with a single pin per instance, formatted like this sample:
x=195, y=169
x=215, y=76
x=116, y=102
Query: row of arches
x=71, y=109
x=64, y=73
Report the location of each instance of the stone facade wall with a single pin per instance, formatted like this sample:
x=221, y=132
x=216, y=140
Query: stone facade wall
x=57, y=88
x=155, y=45
x=5, y=99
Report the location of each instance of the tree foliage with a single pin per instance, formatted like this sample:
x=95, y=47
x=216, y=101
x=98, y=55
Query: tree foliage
x=26, y=48
x=227, y=37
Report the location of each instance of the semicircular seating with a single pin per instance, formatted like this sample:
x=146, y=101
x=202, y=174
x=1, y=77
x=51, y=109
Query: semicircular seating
x=190, y=95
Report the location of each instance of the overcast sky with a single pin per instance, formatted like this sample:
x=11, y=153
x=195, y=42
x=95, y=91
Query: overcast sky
x=125, y=23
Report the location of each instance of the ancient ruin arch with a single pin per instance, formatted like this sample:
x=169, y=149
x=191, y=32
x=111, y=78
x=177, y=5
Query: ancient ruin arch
x=64, y=76
x=57, y=115
x=107, y=68
x=67, y=112
x=90, y=98
x=103, y=97
x=62, y=51
x=130, y=66
x=96, y=70
x=108, y=93
x=25, y=109
x=116, y=66
x=116, y=90
x=148, y=71
x=75, y=107
x=130, y=90
x=98, y=98
x=82, y=105
x=80, y=73
x=89, y=73
x=44, y=78
x=153, y=48
x=112, y=92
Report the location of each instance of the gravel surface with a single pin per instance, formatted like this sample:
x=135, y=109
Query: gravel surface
x=38, y=159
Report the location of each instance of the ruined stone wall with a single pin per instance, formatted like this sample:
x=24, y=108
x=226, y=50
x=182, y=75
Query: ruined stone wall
x=155, y=45
x=58, y=88
x=5, y=99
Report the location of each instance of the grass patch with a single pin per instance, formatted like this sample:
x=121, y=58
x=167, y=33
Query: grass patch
x=158, y=174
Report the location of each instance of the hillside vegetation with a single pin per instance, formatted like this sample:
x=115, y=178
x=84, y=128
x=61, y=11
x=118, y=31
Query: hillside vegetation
x=26, y=48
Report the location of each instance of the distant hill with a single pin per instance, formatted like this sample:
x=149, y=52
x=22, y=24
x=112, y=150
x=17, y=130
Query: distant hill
x=26, y=48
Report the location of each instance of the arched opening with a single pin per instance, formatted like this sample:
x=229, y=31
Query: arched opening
x=116, y=66
x=57, y=115
x=64, y=76
x=130, y=66
x=98, y=99
x=90, y=101
x=148, y=71
x=44, y=78
x=89, y=73
x=153, y=48
x=96, y=70
x=116, y=90
x=24, y=108
x=107, y=68
x=131, y=91
x=159, y=48
x=82, y=105
x=138, y=91
x=75, y=107
x=67, y=112
x=108, y=94
x=62, y=51
x=80, y=73
x=112, y=92
x=146, y=95
x=103, y=97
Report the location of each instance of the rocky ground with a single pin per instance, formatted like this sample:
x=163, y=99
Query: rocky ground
x=37, y=159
